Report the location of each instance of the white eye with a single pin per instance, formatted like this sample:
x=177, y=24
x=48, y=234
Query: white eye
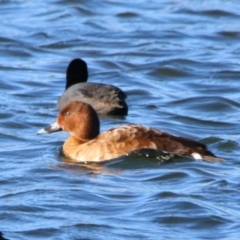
x=67, y=113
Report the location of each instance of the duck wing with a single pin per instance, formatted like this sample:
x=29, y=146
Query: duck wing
x=132, y=137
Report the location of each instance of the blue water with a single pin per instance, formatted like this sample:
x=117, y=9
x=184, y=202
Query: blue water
x=178, y=62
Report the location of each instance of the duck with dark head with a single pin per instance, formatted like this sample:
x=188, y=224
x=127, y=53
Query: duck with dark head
x=106, y=99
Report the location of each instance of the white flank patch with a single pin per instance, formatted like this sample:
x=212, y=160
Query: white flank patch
x=197, y=156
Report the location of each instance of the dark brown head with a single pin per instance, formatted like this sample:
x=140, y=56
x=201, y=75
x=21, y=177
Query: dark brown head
x=80, y=120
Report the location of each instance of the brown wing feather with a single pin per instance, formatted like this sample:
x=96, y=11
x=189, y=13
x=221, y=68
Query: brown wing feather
x=119, y=141
x=131, y=137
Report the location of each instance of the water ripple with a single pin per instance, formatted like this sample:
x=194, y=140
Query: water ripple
x=178, y=62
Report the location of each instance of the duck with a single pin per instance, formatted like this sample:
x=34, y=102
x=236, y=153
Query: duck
x=106, y=99
x=87, y=144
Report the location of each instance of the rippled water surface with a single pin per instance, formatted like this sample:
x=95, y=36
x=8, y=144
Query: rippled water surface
x=178, y=61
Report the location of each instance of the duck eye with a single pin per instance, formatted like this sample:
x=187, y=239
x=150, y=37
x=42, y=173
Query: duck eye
x=67, y=113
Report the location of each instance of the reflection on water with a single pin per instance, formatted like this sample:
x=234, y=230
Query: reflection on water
x=178, y=61
x=141, y=157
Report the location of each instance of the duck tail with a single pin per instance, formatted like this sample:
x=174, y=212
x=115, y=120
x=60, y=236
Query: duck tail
x=207, y=156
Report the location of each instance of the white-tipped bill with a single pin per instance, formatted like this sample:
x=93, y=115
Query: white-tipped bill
x=54, y=127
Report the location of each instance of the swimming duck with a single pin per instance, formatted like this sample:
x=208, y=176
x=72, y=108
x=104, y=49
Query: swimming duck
x=104, y=98
x=86, y=143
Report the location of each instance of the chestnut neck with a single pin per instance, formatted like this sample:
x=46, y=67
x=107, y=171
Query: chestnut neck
x=80, y=120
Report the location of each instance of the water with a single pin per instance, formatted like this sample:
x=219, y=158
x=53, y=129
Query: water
x=178, y=61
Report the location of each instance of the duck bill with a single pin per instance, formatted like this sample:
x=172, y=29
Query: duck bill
x=54, y=127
